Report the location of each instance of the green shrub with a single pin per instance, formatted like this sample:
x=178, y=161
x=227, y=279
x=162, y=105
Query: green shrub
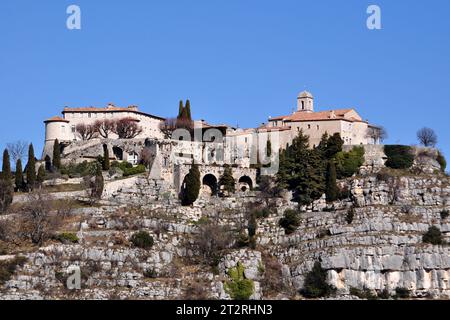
x=67, y=237
x=8, y=267
x=399, y=157
x=433, y=236
x=142, y=240
x=290, y=221
x=127, y=168
x=316, y=285
x=402, y=293
x=262, y=213
x=134, y=170
x=150, y=274
x=74, y=170
x=350, y=215
x=442, y=162
x=363, y=294
x=348, y=163
x=384, y=294
x=239, y=288
x=444, y=214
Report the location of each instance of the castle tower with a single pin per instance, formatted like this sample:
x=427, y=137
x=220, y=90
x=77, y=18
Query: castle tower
x=305, y=102
x=55, y=128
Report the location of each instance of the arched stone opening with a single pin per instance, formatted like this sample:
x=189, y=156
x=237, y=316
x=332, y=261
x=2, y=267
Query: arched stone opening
x=209, y=184
x=245, y=183
x=118, y=153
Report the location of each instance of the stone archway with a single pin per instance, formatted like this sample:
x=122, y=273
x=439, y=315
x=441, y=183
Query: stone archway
x=210, y=184
x=118, y=153
x=245, y=183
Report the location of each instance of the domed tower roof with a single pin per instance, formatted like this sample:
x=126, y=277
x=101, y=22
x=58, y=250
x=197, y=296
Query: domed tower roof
x=56, y=119
x=305, y=94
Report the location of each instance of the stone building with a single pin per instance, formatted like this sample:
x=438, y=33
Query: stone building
x=64, y=128
x=347, y=122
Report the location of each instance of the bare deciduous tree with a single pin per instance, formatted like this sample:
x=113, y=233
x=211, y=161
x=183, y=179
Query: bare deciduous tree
x=93, y=185
x=211, y=240
x=427, y=137
x=377, y=133
x=86, y=131
x=39, y=220
x=147, y=157
x=105, y=127
x=168, y=126
x=127, y=128
x=17, y=150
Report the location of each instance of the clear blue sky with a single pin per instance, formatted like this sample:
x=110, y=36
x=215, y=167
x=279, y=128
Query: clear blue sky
x=238, y=61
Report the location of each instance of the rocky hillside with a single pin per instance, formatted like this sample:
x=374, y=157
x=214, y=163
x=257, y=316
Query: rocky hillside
x=371, y=243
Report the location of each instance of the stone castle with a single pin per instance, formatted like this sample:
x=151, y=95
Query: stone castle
x=214, y=146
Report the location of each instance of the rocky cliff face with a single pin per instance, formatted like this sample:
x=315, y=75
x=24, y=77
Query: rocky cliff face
x=380, y=249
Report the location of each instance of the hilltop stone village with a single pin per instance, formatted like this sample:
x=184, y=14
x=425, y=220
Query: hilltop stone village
x=309, y=205
x=83, y=134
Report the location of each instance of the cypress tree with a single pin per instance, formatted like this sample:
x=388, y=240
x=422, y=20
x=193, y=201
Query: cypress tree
x=331, y=191
x=106, y=162
x=56, y=155
x=99, y=183
x=40, y=175
x=48, y=163
x=31, y=168
x=6, y=186
x=6, y=167
x=191, y=186
x=20, y=183
x=188, y=110
x=180, y=109
x=269, y=147
x=227, y=180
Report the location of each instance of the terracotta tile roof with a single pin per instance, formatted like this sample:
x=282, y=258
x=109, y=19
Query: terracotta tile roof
x=278, y=118
x=321, y=115
x=56, y=119
x=278, y=128
x=110, y=108
x=96, y=109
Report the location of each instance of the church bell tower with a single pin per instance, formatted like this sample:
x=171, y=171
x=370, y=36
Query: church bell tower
x=305, y=102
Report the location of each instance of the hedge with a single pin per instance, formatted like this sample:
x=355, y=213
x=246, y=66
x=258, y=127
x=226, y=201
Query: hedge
x=399, y=157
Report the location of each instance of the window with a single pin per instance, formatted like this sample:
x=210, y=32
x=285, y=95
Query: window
x=298, y=129
x=89, y=115
x=73, y=129
x=309, y=126
x=303, y=105
x=318, y=128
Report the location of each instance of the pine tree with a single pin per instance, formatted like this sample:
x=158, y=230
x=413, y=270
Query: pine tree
x=31, y=168
x=191, y=186
x=227, y=181
x=188, y=110
x=6, y=167
x=332, y=191
x=20, y=183
x=302, y=171
x=106, y=161
x=40, y=175
x=56, y=155
x=334, y=145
